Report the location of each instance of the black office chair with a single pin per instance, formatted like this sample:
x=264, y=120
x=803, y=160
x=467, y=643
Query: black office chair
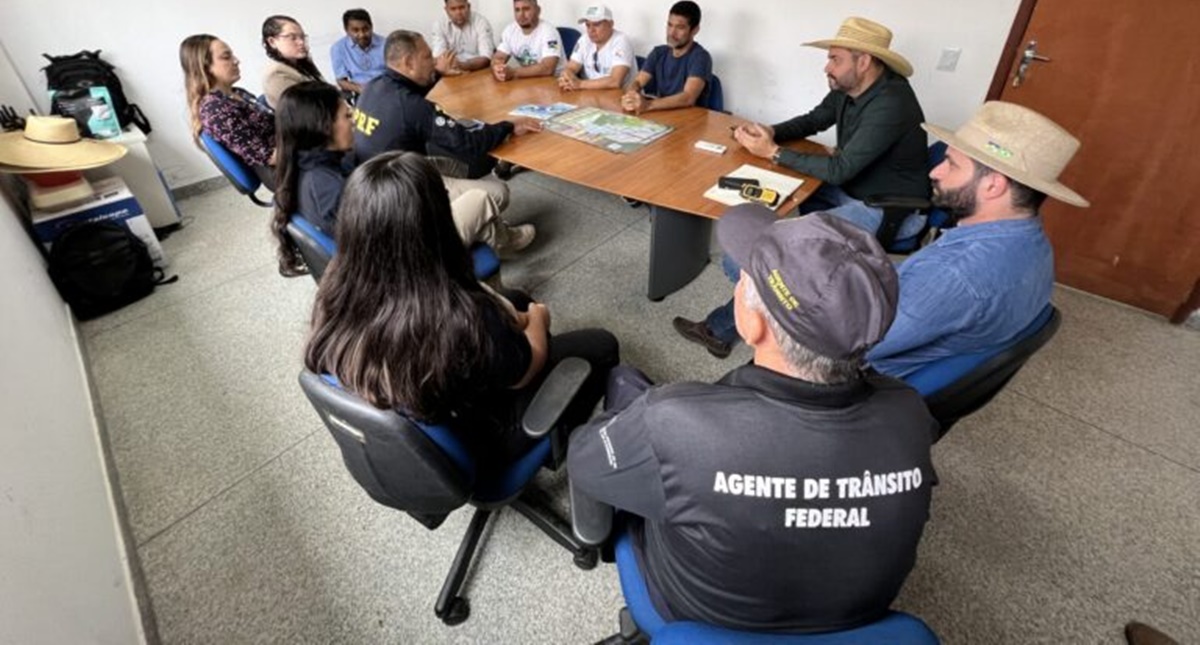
x=958, y=386
x=896, y=209
x=242, y=176
x=317, y=249
x=428, y=472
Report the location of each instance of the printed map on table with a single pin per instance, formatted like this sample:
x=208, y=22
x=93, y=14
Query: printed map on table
x=612, y=131
x=542, y=112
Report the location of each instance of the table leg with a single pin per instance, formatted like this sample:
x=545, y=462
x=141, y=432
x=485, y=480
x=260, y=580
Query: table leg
x=679, y=245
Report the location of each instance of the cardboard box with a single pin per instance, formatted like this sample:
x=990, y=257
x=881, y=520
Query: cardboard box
x=112, y=201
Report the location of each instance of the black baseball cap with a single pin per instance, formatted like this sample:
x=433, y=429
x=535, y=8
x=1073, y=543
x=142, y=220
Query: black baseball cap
x=828, y=283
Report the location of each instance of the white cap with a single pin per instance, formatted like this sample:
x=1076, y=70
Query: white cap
x=596, y=13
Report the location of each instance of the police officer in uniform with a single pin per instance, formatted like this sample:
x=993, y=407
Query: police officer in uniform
x=393, y=114
x=791, y=494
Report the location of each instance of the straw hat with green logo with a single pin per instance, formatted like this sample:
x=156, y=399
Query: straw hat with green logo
x=1018, y=143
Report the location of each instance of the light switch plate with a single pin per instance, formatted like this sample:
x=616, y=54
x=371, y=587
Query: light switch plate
x=949, y=59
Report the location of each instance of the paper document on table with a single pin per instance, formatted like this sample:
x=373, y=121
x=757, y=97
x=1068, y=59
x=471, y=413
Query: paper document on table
x=784, y=184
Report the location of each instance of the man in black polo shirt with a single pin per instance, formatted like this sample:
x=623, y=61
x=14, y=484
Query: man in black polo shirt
x=881, y=149
x=393, y=114
x=791, y=494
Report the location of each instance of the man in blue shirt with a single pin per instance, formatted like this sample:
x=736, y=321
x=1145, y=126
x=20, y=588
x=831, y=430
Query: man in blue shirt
x=358, y=57
x=676, y=75
x=980, y=284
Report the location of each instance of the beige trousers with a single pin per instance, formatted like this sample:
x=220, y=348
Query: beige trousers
x=494, y=187
x=477, y=219
x=476, y=205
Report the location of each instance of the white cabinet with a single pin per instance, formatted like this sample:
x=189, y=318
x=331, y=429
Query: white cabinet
x=142, y=177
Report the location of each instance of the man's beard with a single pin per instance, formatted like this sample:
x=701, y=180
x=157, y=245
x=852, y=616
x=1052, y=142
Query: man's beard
x=957, y=203
x=837, y=85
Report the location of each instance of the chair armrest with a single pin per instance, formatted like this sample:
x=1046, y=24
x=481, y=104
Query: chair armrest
x=906, y=203
x=896, y=209
x=449, y=167
x=554, y=395
x=591, y=521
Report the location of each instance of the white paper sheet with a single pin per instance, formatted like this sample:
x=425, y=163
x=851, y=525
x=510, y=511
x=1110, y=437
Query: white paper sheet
x=784, y=184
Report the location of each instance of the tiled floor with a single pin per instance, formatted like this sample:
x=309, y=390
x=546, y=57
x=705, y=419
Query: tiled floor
x=1066, y=508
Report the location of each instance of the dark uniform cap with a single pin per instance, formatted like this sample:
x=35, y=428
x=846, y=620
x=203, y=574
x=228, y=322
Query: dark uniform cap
x=828, y=283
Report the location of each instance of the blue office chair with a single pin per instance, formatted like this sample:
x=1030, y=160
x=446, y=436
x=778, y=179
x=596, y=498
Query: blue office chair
x=716, y=95
x=592, y=523
x=317, y=249
x=896, y=209
x=958, y=386
x=241, y=175
x=314, y=245
x=428, y=471
x=569, y=37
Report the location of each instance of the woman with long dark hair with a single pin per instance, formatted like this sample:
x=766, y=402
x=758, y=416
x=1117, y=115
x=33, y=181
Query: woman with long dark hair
x=230, y=114
x=286, y=45
x=315, y=131
x=402, y=322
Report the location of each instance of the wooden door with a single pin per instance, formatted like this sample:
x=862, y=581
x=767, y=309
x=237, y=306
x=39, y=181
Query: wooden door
x=1124, y=77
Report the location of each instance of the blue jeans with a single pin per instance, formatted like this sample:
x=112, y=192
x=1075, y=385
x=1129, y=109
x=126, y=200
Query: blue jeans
x=835, y=201
x=832, y=200
x=720, y=320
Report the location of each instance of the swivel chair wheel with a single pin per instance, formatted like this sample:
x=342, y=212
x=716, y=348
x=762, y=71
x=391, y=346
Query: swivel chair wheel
x=458, y=612
x=587, y=559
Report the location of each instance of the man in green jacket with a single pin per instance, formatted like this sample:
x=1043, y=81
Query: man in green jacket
x=881, y=148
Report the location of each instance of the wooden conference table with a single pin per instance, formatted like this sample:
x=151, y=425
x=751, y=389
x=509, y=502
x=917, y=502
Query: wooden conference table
x=669, y=174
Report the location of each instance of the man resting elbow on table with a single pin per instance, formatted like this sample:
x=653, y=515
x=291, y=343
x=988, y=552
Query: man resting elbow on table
x=461, y=40
x=677, y=74
x=531, y=42
x=601, y=61
x=393, y=113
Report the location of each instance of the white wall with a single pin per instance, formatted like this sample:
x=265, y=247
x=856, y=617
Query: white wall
x=756, y=47
x=63, y=574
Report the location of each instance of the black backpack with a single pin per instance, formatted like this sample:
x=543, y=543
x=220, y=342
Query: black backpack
x=86, y=69
x=102, y=266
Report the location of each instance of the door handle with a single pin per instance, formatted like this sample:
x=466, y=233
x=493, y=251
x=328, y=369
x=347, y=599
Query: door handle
x=1029, y=57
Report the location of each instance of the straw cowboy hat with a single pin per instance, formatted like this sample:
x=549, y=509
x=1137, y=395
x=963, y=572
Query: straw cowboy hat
x=51, y=143
x=869, y=37
x=1019, y=143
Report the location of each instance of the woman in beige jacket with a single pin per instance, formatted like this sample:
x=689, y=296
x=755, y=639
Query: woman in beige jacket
x=286, y=45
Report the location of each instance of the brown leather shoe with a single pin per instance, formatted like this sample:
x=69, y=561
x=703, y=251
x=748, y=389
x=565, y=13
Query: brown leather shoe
x=699, y=333
x=1141, y=634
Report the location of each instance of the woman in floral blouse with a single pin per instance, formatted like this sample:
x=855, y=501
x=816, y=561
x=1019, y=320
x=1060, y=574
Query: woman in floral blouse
x=230, y=114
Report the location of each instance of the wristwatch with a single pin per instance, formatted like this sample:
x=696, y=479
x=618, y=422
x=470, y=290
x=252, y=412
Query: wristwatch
x=778, y=153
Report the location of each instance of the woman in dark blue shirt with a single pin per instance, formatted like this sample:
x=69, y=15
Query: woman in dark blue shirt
x=315, y=130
